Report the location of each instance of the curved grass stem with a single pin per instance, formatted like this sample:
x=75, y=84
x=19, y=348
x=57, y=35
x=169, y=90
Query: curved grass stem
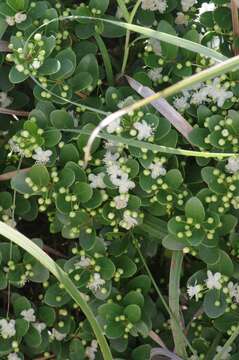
x=174, y=293
x=34, y=250
x=106, y=59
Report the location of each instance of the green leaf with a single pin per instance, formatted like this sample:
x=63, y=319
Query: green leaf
x=107, y=268
x=211, y=310
x=101, y=5
x=127, y=265
x=17, y=77
x=56, y=296
x=39, y=175
x=61, y=119
x=141, y=352
x=83, y=191
x=81, y=81
x=69, y=152
x=50, y=66
x=33, y=337
x=224, y=265
x=89, y=64
x=169, y=51
x=109, y=311
x=194, y=209
x=17, y=4
x=133, y=313
x=52, y=137
x=171, y=242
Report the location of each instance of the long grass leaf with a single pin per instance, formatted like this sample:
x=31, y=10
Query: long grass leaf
x=29, y=246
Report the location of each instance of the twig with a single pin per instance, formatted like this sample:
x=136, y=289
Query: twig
x=52, y=251
x=4, y=46
x=162, y=105
x=157, y=339
x=235, y=23
x=13, y=112
x=9, y=175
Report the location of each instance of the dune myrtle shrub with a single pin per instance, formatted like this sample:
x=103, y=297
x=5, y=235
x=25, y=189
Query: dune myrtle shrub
x=115, y=225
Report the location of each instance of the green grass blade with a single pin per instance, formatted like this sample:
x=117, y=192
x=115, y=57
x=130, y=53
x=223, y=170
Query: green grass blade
x=154, y=147
x=29, y=246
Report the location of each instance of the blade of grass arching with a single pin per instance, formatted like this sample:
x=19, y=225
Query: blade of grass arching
x=153, y=147
x=29, y=246
x=162, y=105
x=167, y=308
x=170, y=39
x=171, y=90
x=106, y=59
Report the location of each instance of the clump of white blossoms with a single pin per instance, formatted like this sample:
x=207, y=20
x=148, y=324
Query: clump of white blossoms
x=181, y=19
x=126, y=102
x=129, y=221
x=90, y=351
x=145, y=130
x=29, y=315
x=187, y=4
x=154, y=5
x=226, y=355
x=39, y=326
x=16, y=19
x=42, y=156
x=7, y=328
x=233, y=290
x=232, y=165
x=96, y=282
x=13, y=356
x=121, y=201
x=58, y=335
x=120, y=178
x=181, y=103
x=84, y=262
x=213, y=281
x=97, y=181
x=155, y=74
x=194, y=291
x=157, y=169
x=114, y=126
x=156, y=46
x=5, y=100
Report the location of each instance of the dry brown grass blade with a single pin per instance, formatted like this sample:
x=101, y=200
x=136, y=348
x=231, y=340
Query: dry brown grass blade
x=235, y=23
x=163, y=106
x=4, y=46
x=13, y=112
x=9, y=175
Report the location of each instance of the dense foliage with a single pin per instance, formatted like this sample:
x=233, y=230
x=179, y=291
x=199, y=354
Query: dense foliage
x=114, y=225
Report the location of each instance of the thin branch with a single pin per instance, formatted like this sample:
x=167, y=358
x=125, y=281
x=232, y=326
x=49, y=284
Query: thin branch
x=155, y=337
x=13, y=112
x=9, y=175
x=4, y=46
x=162, y=105
x=52, y=251
x=235, y=23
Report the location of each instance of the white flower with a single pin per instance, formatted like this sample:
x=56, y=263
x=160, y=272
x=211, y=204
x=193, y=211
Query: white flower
x=96, y=282
x=156, y=46
x=13, y=356
x=154, y=5
x=144, y=130
x=213, y=280
x=96, y=181
x=20, y=17
x=29, y=315
x=181, y=103
x=232, y=165
x=39, y=326
x=157, y=170
x=8, y=329
x=10, y=20
x=187, y=4
x=194, y=290
x=84, y=262
x=20, y=67
x=126, y=102
x=36, y=64
x=121, y=201
x=124, y=183
x=181, y=19
x=226, y=354
x=155, y=74
x=199, y=97
x=206, y=7
x=91, y=350
x=15, y=147
x=5, y=101
x=218, y=93
x=109, y=157
x=41, y=156
x=111, y=128
x=58, y=335
x=128, y=221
